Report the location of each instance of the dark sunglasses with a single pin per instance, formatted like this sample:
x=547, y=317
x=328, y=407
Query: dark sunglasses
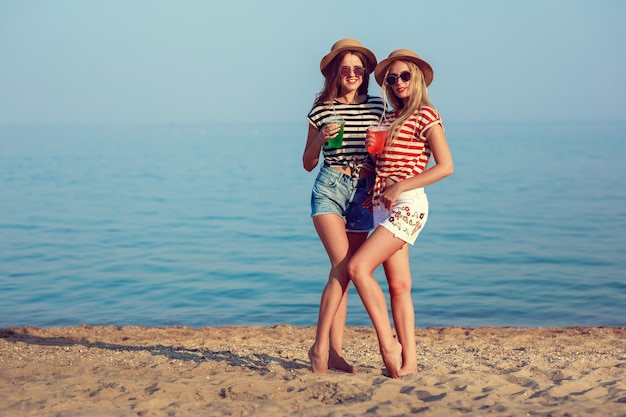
x=392, y=79
x=345, y=71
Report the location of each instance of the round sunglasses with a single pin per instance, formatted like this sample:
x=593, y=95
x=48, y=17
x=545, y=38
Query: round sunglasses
x=345, y=71
x=392, y=79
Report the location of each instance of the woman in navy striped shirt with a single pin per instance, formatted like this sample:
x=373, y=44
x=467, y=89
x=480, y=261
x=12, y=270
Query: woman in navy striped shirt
x=342, y=185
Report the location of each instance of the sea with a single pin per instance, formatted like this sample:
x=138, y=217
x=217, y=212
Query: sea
x=209, y=225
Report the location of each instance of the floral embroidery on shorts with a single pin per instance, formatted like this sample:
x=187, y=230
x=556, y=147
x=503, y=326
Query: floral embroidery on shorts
x=405, y=221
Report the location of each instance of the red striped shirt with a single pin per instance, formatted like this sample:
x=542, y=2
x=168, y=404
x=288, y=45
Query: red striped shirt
x=409, y=154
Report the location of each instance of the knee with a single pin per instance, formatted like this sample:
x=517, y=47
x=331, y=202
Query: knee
x=353, y=270
x=399, y=288
x=338, y=272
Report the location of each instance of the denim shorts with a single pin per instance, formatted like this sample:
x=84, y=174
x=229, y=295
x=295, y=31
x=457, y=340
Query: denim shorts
x=337, y=193
x=408, y=216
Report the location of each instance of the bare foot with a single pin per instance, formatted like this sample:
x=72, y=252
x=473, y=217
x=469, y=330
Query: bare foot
x=319, y=361
x=338, y=362
x=407, y=370
x=393, y=360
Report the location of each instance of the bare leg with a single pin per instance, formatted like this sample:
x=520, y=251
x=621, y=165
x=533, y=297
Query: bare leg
x=378, y=248
x=331, y=298
x=335, y=358
x=335, y=355
x=333, y=304
x=398, y=275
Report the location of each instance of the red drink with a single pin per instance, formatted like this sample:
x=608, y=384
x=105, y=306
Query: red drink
x=379, y=136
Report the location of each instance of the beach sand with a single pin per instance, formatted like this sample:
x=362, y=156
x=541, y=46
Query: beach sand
x=264, y=371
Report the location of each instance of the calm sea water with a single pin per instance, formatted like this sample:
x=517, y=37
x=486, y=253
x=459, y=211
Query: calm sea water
x=209, y=225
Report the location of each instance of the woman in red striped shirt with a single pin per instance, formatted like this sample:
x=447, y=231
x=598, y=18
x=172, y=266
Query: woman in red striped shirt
x=400, y=204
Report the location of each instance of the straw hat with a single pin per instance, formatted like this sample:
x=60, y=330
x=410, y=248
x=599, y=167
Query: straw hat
x=348, y=45
x=404, y=55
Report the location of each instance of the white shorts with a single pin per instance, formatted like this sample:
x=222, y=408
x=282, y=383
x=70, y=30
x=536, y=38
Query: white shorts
x=408, y=216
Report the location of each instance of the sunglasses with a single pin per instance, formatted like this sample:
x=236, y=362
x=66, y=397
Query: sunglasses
x=392, y=79
x=345, y=71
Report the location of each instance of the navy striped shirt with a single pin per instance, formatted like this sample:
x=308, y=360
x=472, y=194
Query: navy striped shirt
x=357, y=118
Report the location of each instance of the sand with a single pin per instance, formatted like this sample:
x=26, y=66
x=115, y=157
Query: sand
x=264, y=371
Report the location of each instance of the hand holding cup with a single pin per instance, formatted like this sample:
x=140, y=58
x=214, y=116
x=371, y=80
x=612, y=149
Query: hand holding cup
x=375, y=139
x=337, y=140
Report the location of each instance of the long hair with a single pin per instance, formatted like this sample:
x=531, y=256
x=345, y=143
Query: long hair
x=417, y=99
x=332, y=82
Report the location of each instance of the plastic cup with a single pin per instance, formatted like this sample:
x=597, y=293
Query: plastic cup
x=337, y=141
x=379, y=136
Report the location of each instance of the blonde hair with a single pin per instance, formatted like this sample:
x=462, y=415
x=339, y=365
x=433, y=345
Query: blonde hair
x=417, y=99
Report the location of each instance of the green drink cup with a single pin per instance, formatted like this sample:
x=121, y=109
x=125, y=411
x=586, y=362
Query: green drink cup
x=337, y=141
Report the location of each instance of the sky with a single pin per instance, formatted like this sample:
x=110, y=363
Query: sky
x=236, y=61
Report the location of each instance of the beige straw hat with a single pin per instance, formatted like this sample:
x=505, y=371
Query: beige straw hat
x=404, y=55
x=348, y=45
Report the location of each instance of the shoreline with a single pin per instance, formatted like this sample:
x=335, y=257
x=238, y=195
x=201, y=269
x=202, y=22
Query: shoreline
x=264, y=371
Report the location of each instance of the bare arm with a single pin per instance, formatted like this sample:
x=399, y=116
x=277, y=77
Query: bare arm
x=443, y=167
x=314, y=142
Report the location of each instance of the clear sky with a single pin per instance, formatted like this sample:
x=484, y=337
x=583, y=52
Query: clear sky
x=144, y=61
